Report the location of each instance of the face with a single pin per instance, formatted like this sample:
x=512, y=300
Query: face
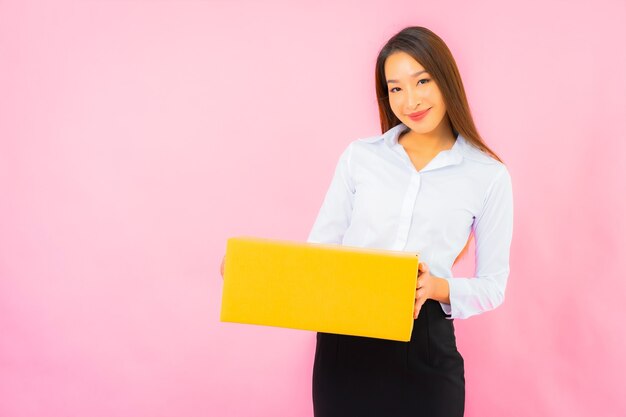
x=411, y=90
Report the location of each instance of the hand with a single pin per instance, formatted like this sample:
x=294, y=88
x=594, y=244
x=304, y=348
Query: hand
x=222, y=267
x=425, y=287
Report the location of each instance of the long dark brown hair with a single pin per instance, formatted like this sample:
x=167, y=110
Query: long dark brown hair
x=433, y=54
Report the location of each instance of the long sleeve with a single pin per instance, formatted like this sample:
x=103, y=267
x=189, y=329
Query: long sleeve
x=493, y=229
x=335, y=213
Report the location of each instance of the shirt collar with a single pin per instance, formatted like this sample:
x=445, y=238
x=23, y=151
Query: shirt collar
x=450, y=156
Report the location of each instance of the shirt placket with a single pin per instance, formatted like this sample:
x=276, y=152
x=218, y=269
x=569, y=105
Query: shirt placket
x=406, y=213
x=408, y=203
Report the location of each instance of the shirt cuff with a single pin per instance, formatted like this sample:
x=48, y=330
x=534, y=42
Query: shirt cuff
x=460, y=289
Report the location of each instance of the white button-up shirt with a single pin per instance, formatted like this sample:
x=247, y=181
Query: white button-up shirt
x=378, y=199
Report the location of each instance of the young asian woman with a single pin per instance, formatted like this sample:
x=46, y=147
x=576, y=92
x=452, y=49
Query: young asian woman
x=428, y=183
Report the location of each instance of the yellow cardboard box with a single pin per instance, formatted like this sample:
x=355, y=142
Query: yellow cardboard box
x=321, y=287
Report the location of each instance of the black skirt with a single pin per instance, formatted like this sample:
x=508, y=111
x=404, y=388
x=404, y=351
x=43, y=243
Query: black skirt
x=363, y=376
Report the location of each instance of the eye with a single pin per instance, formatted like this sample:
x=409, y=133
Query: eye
x=427, y=80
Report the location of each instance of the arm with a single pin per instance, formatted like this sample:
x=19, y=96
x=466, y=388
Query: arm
x=336, y=211
x=493, y=229
x=441, y=290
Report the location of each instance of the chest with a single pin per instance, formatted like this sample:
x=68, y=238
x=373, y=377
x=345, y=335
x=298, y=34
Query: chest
x=420, y=160
x=393, y=205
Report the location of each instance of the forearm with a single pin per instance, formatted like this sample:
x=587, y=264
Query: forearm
x=441, y=290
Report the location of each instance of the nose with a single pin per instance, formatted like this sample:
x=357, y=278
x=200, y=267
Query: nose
x=413, y=98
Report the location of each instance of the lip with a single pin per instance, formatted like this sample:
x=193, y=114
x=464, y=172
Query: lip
x=418, y=115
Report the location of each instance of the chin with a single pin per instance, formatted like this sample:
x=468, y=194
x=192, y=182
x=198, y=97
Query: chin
x=419, y=127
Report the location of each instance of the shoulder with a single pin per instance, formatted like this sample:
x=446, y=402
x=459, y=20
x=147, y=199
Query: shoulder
x=362, y=144
x=370, y=139
x=366, y=145
x=481, y=161
x=484, y=172
x=488, y=171
x=474, y=154
x=380, y=138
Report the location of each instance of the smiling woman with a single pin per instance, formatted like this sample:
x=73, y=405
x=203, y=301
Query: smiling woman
x=427, y=184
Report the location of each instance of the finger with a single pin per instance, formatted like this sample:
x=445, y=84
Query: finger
x=419, y=301
x=417, y=307
x=422, y=281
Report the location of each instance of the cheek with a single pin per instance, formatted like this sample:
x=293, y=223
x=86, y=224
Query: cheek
x=395, y=104
x=394, y=101
x=434, y=96
x=430, y=94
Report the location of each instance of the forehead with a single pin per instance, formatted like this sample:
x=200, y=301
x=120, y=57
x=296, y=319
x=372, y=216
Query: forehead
x=401, y=65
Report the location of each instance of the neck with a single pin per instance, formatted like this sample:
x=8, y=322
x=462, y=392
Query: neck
x=440, y=138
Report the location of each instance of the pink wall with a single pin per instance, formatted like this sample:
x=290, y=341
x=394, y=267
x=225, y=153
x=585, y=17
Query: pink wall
x=136, y=137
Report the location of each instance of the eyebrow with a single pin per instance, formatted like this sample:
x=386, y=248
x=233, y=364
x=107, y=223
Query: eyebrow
x=412, y=75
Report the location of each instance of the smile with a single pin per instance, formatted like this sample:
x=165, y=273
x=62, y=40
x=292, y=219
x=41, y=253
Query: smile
x=418, y=115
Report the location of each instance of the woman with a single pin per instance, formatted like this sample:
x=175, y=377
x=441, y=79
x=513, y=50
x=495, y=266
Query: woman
x=427, y=184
